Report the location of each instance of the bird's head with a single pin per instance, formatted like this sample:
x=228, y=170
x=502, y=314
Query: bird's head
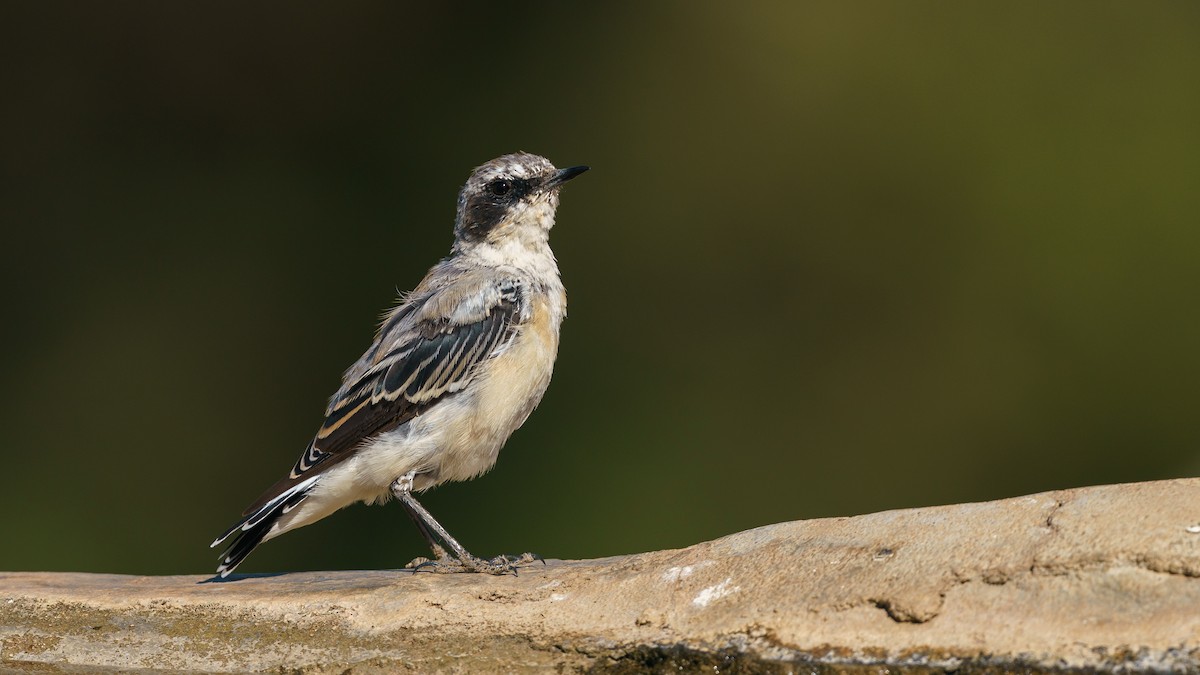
x=510, y=198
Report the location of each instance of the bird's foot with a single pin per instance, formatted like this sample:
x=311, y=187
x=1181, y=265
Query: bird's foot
x=447, y=564
x=450, y=565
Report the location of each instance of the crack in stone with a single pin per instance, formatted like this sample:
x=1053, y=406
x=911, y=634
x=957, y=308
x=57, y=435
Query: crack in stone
x=1049, y=524
x=1034, y=566
x=1140, y=562
x=904, y=615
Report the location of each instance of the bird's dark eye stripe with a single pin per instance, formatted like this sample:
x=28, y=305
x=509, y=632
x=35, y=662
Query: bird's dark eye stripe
x=509, y=188
x=486, y=206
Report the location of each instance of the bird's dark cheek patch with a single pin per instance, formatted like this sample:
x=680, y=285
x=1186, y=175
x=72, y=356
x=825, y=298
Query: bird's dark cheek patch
x=482, y=216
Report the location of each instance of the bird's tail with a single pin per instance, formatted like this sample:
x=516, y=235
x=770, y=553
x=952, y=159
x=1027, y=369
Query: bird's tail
x=252, y=529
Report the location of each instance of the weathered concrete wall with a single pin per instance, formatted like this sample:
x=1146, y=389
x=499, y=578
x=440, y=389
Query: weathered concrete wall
x=1101, y=577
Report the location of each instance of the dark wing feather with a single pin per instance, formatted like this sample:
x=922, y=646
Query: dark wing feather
x=439, y=359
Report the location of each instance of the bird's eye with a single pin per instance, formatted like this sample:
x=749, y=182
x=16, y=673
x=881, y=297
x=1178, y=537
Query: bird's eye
x=499, y=187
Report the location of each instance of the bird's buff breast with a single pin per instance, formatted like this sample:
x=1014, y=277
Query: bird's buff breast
x=507, y=392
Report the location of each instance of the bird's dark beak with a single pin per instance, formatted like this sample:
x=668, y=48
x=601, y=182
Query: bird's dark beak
x=563, y=175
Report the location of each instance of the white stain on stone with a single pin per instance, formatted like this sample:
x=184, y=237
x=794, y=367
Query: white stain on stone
x=679, y=573
x=715, y=592
x=557, y=597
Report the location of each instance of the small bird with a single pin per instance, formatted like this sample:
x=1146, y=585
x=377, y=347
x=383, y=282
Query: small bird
x=454, y=369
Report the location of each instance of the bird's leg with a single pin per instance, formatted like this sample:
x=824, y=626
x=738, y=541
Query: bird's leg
x=434, y=545
x=402, y=490
x=433, y=531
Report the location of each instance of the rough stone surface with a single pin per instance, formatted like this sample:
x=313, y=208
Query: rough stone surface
x=1096, y=578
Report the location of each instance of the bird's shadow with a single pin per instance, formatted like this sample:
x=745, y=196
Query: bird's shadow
x=217, y=579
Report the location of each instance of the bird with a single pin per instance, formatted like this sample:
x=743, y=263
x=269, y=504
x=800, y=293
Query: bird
x=454, y=369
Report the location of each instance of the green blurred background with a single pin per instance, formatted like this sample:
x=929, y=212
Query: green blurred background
x=832, y=258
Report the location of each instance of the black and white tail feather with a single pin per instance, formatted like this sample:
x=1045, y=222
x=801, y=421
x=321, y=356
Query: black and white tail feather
x=254, y=527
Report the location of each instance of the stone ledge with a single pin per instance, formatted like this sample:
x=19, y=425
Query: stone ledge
x=1075, y=580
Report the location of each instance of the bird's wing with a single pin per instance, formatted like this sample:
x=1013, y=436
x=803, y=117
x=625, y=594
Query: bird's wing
x=434, y=351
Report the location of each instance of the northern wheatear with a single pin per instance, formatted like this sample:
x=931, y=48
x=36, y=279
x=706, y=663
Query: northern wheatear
x=453, y=371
